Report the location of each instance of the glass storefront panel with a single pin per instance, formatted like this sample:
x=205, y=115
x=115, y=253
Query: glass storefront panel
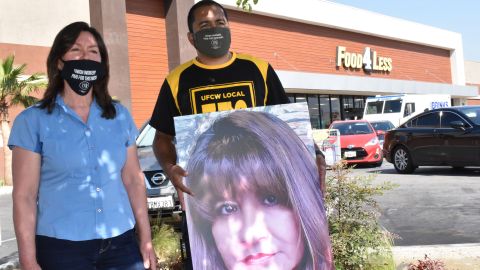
x=359, y=105
x=348, y=108
x=291, y=97
x=300, y=98
x=314, y=111
x=335, y=108
x=359, y=102
x=325, y=110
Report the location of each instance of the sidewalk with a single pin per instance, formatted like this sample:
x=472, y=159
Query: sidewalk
x=6, y=190
x=455, y=257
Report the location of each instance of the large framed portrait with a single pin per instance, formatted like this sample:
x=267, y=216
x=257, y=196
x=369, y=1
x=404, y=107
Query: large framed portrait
x=257, y=202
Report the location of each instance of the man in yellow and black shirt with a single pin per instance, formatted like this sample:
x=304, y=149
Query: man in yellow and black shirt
x=215, y=80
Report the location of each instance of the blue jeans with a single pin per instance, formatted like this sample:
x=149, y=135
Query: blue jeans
x=117, y=253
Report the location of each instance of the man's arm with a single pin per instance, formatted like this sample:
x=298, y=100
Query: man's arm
x=276, y=92
x=166, y=155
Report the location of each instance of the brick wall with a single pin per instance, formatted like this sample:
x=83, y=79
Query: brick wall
x=147, y=51
x=291, y=45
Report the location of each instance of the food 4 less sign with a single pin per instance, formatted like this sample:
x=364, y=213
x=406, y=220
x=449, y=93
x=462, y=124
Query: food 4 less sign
x=369, y=61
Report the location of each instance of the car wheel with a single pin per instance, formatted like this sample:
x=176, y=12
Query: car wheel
x=402, y=161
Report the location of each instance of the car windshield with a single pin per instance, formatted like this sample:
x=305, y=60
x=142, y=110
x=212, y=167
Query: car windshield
x=386, y=125
x=352, y=128
x=472, y=112
x=145, y=139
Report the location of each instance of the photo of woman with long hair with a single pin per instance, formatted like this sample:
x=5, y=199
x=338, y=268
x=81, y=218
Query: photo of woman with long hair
x=257, y=203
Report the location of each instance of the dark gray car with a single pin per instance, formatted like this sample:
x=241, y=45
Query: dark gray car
x=440, y=137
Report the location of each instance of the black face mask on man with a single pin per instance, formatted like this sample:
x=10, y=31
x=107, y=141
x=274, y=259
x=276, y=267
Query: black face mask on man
x=82, y=74
x=213, y=42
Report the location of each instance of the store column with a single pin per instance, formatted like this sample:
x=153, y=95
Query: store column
x=179, y=48
x=108, y=17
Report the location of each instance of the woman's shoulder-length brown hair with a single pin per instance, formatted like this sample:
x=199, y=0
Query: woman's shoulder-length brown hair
x=64, y=40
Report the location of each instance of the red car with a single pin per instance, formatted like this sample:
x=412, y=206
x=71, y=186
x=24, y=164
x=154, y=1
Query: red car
x=359, y=142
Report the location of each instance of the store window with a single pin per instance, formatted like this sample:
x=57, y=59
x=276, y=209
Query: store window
x=335, y=108
x=300, y=98
x=359, y=104
x=291, y=97
x=313, y=109
x=348, y=108
x=325, y=111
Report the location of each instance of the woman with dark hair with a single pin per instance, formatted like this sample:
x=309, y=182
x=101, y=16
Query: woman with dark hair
x=257, y=203
x=78, y=190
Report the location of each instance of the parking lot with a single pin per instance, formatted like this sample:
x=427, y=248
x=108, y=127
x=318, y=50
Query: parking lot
x=434, y=205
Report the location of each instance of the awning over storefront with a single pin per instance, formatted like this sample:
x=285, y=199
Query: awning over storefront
x=305, y=82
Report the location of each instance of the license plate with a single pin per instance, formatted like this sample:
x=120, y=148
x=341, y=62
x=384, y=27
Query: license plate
x=160, y=202
x=349, y=154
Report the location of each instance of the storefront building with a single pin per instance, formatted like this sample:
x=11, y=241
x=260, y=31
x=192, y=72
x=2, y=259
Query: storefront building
x=472, y=77
x=327, y=54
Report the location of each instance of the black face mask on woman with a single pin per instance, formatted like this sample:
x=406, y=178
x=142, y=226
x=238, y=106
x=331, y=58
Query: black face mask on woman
x=213, y=42
x=82, y=74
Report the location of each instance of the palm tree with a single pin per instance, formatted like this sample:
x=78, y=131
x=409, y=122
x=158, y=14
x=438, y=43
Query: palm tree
x=15, y=89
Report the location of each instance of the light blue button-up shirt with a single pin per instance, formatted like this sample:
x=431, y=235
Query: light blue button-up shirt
x=81, y=195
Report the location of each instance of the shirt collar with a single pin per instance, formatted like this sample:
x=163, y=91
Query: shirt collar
x=94, y=107
x=233, y=56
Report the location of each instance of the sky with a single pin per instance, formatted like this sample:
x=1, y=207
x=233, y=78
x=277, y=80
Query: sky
x=461, y=16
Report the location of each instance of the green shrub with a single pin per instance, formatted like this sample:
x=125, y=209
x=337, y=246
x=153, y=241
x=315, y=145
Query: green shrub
x=166, y=243
x=358, y=240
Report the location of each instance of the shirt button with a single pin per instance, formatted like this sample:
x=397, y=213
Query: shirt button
x=98, y=190
x=99, y=210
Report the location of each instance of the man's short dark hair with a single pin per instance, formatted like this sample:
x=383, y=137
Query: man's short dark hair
x=198, y=5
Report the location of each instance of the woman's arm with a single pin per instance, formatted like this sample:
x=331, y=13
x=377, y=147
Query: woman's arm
x=133, y=180
x=26, y=179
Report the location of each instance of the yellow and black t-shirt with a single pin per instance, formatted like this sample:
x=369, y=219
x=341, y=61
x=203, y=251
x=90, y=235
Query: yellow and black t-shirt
x=191, y=88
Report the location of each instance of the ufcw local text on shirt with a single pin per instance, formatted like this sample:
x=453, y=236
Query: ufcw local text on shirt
x=223, y=95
